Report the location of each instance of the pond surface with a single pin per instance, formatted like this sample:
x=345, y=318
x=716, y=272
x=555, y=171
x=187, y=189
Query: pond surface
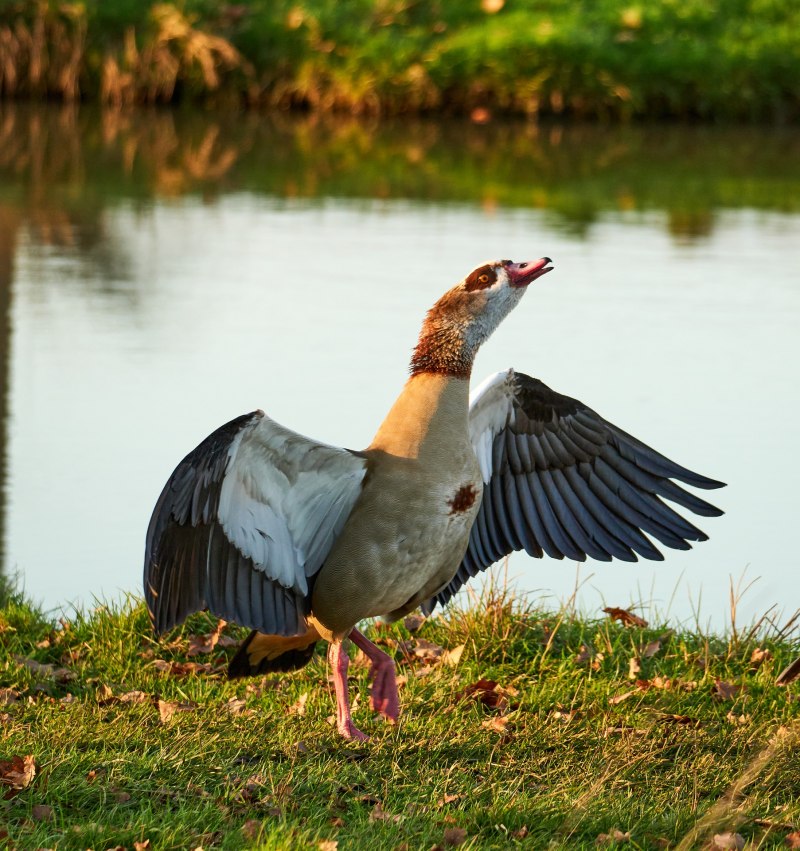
x=161, y=273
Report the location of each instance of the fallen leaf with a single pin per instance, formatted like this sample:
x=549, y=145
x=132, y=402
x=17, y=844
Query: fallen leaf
x=521, y=833
x=616, y=836
x=789, y=674
x=42, y=812
x=69, y=698
x=251, y=829
x=236, y=705
x=625, y=617
x=725, y=691
x=792, y=840
x=182, y=669
x=379, y=814
x=167, y=708
x=299, y=706
x=453, y=657
x=328, y=845
x=491, y=694
x=91, y=776
x=454, y=836
x=205, y=643
x=134, y=697
x=142, y=846
x=413, y=622
x=759, y=656
x=497, y=723
x=651, y=649
x=104, y=695
x=420, y=648
x=738, y=720
x=634, y=667
x=8, y=696
x=729, y=840
x=336, y=821
x=122, y=797
x=620, y=697
x=17, y=772
x=447, y=799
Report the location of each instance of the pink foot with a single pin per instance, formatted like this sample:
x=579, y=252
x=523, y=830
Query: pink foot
x=339, y=660
x=383, y=695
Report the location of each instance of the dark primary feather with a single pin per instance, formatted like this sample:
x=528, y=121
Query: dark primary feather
x=189, y=562
x=566, y=482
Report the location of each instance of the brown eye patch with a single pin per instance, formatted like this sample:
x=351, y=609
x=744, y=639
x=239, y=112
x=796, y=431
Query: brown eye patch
x=481, y=278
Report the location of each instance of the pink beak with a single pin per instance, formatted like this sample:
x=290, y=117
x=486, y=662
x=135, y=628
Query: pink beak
x=521, y=274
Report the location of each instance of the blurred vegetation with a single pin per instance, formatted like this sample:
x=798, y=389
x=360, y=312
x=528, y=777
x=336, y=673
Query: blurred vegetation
x=61, y=167
x=732, y=59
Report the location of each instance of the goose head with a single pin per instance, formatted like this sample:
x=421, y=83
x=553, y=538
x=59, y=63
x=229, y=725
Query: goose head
x=466, y=315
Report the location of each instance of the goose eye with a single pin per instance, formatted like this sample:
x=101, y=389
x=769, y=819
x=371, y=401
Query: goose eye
x=481, y=278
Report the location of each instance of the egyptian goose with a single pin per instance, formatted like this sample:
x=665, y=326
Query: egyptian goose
x=299, y=540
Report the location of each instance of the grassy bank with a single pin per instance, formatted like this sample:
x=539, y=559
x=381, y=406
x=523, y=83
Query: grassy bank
x=535, y=730
x=735, y=59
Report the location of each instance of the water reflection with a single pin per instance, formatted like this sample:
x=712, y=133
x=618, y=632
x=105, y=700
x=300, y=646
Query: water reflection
x=133, y=250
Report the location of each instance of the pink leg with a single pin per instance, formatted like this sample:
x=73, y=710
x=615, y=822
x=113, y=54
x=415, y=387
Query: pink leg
x=383, y=696
x=337, y=656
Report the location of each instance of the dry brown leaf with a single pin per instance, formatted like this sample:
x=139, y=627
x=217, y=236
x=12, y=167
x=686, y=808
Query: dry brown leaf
x=236, y=705
x=497, y=723
x=299, y=706
x=738, y=720
x=651, y=649
x=379, y=814
x=454, y=836
x=42, y=812
x=730, y=840
x=634, y=667
x=792, y=840
x=206, y=643
x=251, y=829
x=17, y=772
x=134, y=697
x=453, y=657
x=620, y=697
x=759, y=656
x=328, y=845
x=725, y=691
x=447, y=799
x=420, y=648
x=144, y=845
x=625, y=617
x=615, y=837
x=167, y=708
x=490, y=693
x=68, y=698
x=8, y=696
x=413, y=622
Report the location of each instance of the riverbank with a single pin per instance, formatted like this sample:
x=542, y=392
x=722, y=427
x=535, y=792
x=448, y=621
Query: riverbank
x=520, y=728
x=731, y=59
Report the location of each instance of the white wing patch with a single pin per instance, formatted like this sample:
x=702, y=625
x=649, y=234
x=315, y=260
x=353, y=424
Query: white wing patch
x=285, y=498
x=491, y=409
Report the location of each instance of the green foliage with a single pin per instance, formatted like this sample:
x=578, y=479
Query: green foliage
x=735, y=59
x=574, y=748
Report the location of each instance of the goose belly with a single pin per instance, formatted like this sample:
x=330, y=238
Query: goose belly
x=404, y=540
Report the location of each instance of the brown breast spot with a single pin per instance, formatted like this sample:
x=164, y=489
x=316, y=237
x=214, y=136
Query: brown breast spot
x=463, y=499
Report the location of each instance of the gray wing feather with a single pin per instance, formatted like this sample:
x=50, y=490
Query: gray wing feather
x=561, y=480
x=245, y=519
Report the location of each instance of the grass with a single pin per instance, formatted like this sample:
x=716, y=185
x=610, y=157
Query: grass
x=551, y=756
x=735, y=59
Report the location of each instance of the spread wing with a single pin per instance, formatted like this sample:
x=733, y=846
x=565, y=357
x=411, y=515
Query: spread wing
x=562, y=481
x=243, y=523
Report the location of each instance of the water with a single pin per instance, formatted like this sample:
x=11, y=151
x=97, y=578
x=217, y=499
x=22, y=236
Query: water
x=162, y=274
